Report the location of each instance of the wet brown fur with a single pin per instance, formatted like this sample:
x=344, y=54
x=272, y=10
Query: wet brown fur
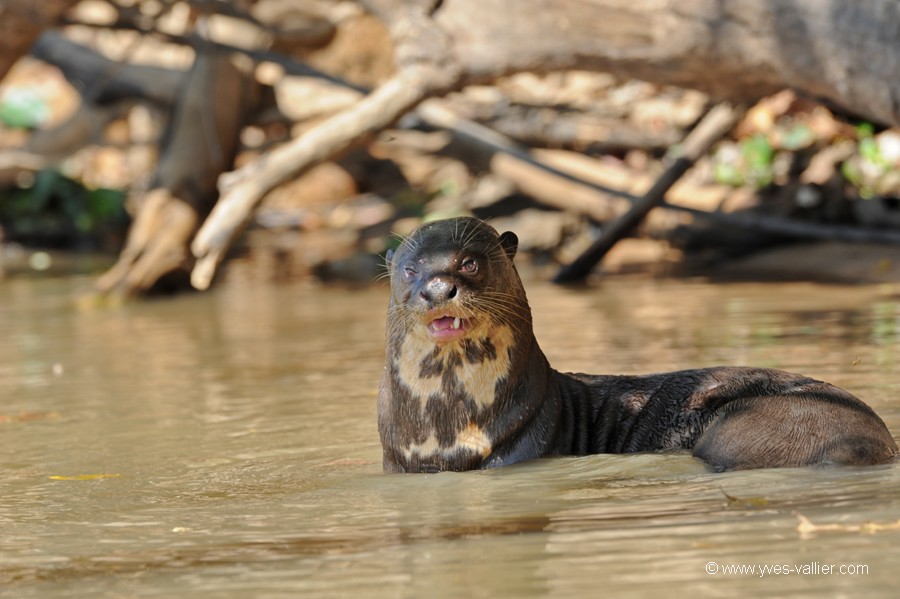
x=491, y=398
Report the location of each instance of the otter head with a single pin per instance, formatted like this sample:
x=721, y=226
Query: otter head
x=458, y=321
x=454, y=279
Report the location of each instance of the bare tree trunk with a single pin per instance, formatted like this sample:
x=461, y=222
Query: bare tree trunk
x=21, y=22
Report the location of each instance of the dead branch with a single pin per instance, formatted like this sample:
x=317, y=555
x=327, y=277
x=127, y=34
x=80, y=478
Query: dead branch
x=425, y=68
x=606, y=191
x=84, y=127
x=714, y=125
x=200, y=142
x=792, y=228
x=83, y=67
x=530, y=174
x=846, y=53
x=155, y=245
x=244, y=188
x=157, y=84
x=737, y=50
x=547, y=127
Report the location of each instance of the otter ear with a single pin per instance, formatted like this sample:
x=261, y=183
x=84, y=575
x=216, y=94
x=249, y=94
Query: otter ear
x=388, y=256
x=510, y=243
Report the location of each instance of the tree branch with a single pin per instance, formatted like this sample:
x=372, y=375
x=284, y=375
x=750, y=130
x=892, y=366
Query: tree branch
x=425, y=67
x=243, y=189
x=710, y=129
x=590, y=187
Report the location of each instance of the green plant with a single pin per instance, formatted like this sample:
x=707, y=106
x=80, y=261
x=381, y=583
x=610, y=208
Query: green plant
x=60, y=211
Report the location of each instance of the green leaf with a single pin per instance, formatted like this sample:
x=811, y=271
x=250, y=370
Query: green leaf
x=727, y=174
x=850, y=171
x=757, y=151
x=23, y=108
x=105, y=204
x=797, y=137
x=869, y=150
x=864, y=130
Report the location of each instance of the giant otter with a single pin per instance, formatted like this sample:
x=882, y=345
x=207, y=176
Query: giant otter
x=466, y=385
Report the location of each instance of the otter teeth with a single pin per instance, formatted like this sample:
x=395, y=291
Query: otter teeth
x=447, y=323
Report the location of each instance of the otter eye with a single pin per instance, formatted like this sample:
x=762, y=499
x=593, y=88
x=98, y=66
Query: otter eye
x=469, y=266
x=409, y=272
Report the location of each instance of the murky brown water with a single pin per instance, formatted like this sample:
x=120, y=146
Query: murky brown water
x=225, y=445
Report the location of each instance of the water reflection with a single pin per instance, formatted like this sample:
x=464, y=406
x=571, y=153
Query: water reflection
x=225, y=445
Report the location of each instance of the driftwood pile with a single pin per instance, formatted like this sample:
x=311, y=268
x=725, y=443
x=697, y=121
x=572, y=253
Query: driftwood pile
x=429, y=90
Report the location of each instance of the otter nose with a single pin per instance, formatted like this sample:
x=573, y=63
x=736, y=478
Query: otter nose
x=438, y=290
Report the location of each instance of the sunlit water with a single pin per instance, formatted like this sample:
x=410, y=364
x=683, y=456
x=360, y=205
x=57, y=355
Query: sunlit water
x=225, y=445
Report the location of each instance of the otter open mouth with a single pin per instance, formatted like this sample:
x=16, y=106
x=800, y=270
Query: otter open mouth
x=448, y=328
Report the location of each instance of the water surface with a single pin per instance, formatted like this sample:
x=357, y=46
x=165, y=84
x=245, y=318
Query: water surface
x=225, y=445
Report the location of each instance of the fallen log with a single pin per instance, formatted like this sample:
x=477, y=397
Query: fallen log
x=844, y=53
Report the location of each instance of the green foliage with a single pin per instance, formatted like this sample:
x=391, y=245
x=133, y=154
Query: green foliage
x=22, y=109
x=852, y=173
x=758, y=158
x=864, y=130
x=870, y=171
x=797, y=137
x=59, y=211
x=411, y=200
x=751, y=163
x=869, y=150
x=449, y=188
x=728, y=173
